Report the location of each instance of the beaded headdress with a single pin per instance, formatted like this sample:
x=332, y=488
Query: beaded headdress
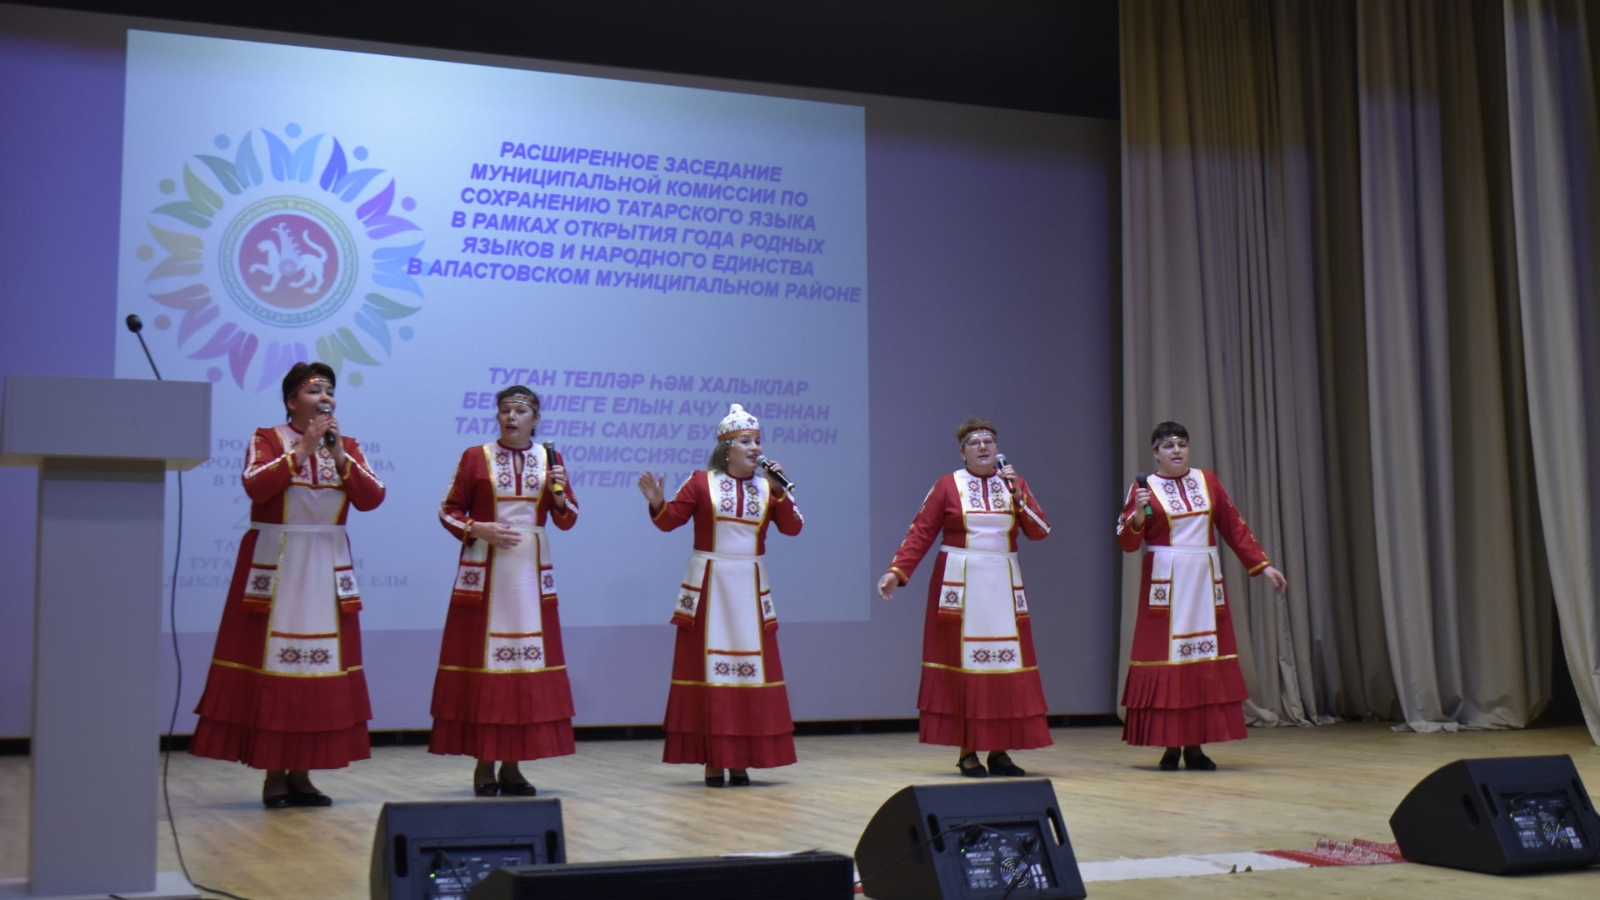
x=737, y=422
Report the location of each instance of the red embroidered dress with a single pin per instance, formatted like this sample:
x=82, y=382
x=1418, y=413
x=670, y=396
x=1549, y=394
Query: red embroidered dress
x=980, y=677
x=501, y=691
x=1184, y=686
x=727, y=706
x=286, y=689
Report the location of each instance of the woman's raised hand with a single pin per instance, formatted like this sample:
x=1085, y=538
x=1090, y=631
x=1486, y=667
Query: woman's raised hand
x=650, y=485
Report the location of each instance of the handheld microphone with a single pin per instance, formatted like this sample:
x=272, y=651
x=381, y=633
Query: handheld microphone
x=1144, y=481
x=550, y=451
x=1000, y=463
x=329, y=438
x=136, y=325
x=783, y=479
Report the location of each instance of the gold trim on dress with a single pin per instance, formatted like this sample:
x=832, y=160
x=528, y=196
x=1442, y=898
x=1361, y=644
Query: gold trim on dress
x=719, y=684
x=929, y=665
x=233, y=665
x=1181, y=662
x=445, y=668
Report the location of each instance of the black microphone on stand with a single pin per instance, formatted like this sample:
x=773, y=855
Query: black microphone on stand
x=1143, y=481
x=1000, y=463
x=329, y=438
x=783, y=479
x=550, y=451
x=136, y=325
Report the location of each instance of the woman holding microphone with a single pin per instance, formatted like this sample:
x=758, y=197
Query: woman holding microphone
x=980, y=677
x=727, y=708
x=286, y=691
x=1184, y=687
x=501, y=692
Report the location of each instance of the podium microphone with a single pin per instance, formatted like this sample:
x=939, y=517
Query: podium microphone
x=136, y=325
x=550, y=451
x=1144, y=481
x=783, y=479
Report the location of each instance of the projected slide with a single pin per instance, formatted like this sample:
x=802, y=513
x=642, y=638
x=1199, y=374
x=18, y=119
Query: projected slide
x=641, y=255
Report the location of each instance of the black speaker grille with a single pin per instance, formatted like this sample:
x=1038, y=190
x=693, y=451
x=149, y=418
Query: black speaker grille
x=969, y=841
x=809, y=876
x=424, y=850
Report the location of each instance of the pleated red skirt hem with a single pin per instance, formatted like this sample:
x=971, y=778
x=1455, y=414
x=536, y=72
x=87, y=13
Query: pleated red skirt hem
x=265, y=749
x=1027, y=733
x=998, y=711
x=263, y=701
x=725, y=751
x=505, y=743
x=1182, y=705
x=269, y=721
x=730, y=711
x=729, y=727
x=1183, y=727
x=502, y=698
x=1184, y=686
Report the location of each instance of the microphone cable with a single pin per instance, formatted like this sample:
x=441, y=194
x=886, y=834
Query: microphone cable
x=135, y=326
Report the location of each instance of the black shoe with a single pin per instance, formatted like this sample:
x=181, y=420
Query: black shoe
x=312, y=797
x=715, y=780
x=486, y=789
x=1193, y=758
x=976, y=770
x=518, y=789
x=1169, y=760
x=277, y=801
x=1001, y=764
x=738, y=778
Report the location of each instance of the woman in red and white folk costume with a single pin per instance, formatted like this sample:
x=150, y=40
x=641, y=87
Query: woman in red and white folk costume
x=501, y=692
x=286, y=692
x=980, y=677
x=1184, y=686
x=727, y=707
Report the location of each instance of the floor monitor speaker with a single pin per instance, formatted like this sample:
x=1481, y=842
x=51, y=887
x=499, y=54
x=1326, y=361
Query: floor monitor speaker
x=1500, y=816
x=818, y=875
x=439, y=850
x=978, y=840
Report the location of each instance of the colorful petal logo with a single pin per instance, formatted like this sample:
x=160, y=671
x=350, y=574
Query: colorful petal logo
x=259, y=268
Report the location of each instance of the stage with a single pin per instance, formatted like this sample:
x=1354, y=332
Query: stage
x=1282, y=789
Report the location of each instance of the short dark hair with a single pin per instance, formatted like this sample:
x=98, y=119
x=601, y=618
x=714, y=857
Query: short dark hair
x=971, y=424
x=515, y=390
x=302, y=372
x=1167, y=430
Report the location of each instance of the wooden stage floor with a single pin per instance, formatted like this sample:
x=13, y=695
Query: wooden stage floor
x=1282, y=788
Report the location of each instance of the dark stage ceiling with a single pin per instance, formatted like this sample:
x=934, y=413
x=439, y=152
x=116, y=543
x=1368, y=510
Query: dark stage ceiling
x=1055, y=56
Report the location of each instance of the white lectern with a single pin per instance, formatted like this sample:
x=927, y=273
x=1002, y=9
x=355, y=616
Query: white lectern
x=103, y=447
